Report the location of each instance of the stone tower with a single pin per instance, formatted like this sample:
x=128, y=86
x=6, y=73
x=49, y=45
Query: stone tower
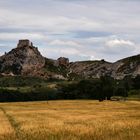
x=24, y=43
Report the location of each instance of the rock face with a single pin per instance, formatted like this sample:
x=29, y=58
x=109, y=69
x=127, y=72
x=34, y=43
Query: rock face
x=95, y=69
x=126, y=67
x=91, y=69
x=63, y=61
x=25, y=59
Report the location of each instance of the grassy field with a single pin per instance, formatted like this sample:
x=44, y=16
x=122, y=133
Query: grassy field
x=70, y=120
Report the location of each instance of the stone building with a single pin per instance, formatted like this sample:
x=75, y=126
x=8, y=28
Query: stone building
x=24, y=42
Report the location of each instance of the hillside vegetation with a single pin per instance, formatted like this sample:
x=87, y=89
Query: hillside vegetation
x=35, y=89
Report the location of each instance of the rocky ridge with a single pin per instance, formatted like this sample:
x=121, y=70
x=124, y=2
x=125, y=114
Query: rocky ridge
x=26, y=60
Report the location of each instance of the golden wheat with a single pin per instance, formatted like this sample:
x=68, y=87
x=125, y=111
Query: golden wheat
x=70, y=120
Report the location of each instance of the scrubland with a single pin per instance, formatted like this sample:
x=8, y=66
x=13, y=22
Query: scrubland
x=70, y=120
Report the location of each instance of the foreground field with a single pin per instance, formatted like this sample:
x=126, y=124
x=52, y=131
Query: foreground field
x=70, y=120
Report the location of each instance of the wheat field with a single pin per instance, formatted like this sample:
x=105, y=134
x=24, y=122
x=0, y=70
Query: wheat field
x=70, y=120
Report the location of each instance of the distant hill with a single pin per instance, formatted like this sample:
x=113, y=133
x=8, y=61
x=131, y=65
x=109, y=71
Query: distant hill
x=26, y=60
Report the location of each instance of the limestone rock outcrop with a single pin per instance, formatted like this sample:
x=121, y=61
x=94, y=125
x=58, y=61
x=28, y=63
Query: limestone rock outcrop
x=24, y=59
x=118, y=70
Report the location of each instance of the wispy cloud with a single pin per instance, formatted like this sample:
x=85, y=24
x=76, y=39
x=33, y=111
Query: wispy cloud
x=119, y=42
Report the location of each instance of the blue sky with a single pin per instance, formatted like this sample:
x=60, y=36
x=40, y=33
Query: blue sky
x=77, y=29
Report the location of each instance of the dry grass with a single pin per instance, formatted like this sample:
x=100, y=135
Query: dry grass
x=70, y=120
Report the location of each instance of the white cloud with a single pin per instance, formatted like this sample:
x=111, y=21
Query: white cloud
x=54, y=52
x=119, y=42
x=64, y=43
x=17, y=36
x=69, y=51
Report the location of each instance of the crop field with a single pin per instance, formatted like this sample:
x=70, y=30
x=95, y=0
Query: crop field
x=70, y=120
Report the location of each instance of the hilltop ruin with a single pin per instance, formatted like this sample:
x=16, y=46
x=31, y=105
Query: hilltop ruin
x=24, y=43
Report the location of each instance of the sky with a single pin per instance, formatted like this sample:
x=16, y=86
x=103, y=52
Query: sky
x=77, y=29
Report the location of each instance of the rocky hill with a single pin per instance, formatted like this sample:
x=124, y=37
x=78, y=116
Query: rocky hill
x=26, y=60
x=95, y=69
x=22, y=60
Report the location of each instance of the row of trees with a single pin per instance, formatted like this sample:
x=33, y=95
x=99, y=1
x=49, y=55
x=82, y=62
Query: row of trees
x=100, y=89
x=38, y=94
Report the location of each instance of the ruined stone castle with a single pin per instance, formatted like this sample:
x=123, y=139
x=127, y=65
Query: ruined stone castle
x=24, y=43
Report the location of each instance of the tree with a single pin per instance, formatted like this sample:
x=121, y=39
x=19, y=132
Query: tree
x=136, y=82
x=108, y=84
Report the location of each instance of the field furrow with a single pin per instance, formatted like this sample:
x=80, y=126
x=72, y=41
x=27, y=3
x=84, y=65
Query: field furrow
x=7, y=132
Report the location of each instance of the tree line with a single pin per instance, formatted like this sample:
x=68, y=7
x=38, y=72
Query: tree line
x=100, y=89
